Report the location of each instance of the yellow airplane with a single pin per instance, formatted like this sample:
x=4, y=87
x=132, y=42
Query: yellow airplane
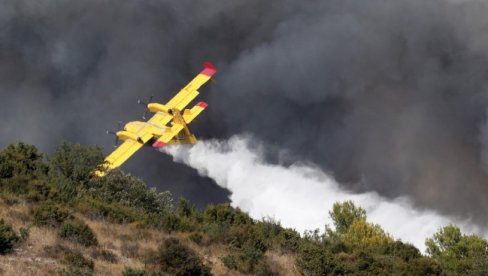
x=168, y=126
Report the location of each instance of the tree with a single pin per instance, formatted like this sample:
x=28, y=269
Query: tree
x=20, y=159
x=344, y=214
x=363, y=234
x=74, y=161
x=118, y=187
x=458, y=252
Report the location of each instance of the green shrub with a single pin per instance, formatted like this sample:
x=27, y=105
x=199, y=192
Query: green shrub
x=24, y=234
x=104, y=255
x=8, y=238
x=74, y=259
x=404, y=251
x=424, y=266
x=196, y=237
x=229, y=261
x=50, y=214
x=289, y=240
x=224, y=214
x=178, y=259
x=77, y=232
x=127, y=190
x=74, y=162
x=134, y=272
x=21, y=159
x=314, y=259
x=114, y=212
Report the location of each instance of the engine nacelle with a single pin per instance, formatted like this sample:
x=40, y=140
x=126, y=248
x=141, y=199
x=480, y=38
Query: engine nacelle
x=157, y=107
x=126, y=135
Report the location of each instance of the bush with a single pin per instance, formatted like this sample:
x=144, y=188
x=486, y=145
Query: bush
x=178, y=259
x=224, y=214
x=134, y=272
x=78, y=232
x=99, y=209
x=314, y=259
x=424, y=266
x=75, y=162
x=8, y=238
x=74, y=260
x=21, y=159
x=50, y=214
x=104, y=255
x=196, y=237
x=127, y=190
x=229, y=261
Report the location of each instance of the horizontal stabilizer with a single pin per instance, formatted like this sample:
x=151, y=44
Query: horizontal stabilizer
x=190, y=114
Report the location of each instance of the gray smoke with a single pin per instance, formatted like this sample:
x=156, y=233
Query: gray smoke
x=387, y=96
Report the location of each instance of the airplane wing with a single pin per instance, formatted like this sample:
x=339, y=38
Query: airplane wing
x=127, y=149
x=189, y=92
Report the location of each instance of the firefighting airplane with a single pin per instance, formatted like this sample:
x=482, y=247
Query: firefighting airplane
x=168, y=126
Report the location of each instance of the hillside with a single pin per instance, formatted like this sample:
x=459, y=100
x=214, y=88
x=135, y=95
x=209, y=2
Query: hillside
x=57, y=220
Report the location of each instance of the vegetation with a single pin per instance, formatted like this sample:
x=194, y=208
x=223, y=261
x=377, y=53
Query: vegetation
x=55, y=205
x=8, y=238
x=78, y=232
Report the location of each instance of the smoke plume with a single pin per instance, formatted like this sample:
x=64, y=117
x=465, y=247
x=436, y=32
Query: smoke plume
x=300, y=196
x=386, y=96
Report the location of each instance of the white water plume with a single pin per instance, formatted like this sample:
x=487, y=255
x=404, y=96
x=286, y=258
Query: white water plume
x=301, y=196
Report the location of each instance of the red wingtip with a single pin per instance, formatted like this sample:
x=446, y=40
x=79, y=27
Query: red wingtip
x=202, y=104
x=209, y=70
x=158, y=145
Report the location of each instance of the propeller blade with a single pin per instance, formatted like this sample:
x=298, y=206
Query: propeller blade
x=144, y=103
x=119, y=128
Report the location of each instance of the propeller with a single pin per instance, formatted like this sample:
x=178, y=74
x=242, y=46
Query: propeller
x=145, y=104
x=119, y=128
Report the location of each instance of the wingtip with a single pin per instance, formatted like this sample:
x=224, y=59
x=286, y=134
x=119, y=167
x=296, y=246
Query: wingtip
x=202, y=104
x=209, y=70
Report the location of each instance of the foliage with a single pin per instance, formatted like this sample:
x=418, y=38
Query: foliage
x=313, y=259
x=78, y=232
x=229, y=261
x=8, y=237
x=127, y=190
x=21, y=159
x=77, y=264
x=344, y=214
x=96, y=208
x=134, y=272
x=224, y=214
x=50, y=214
x=363, y=234
x=457, y=252
x=196, y=237
x=424, y=266
x=178, y=259
x=62, y=185
x=74, y=161
x=24, y=234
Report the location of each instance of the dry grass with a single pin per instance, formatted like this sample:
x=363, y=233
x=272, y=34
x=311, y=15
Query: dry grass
x=127, y=242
